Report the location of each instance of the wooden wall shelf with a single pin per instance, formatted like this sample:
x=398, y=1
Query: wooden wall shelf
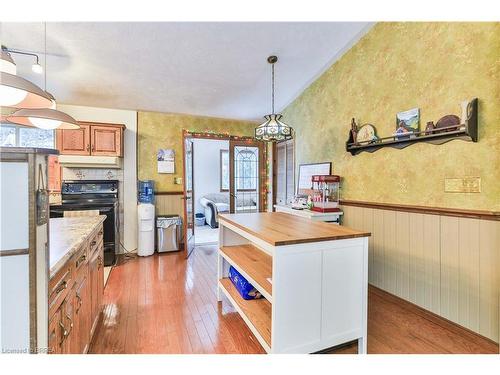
x=467, y=132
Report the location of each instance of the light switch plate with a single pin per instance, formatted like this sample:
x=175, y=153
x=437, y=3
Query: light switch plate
x=178, y=180
x=462, y=185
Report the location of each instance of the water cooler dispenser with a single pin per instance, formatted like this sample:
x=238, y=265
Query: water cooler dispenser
x=146, y=218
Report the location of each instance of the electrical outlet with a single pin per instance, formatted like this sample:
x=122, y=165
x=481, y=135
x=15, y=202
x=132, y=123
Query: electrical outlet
x=462, y=185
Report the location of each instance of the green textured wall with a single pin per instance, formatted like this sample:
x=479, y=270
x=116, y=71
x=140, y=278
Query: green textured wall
x=164, y=130
x=395, y=67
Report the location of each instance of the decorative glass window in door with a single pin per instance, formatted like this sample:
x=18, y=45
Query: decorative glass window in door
x=246, y=178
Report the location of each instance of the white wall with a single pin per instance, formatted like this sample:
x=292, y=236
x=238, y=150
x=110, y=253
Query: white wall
x=129, y=191
x=207, y=168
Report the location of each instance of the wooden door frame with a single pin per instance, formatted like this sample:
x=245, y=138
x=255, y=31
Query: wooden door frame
x=184, y=196
x=228, y=137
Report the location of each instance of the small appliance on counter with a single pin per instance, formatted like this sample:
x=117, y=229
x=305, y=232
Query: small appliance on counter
x=146, y=218
x=326, y=193
x=299, y=202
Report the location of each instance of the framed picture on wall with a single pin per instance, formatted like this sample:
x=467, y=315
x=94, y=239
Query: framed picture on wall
x=407, y=123
x=306, y=171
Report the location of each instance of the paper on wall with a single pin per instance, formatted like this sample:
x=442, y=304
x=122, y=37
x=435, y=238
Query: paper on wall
x=166, y=161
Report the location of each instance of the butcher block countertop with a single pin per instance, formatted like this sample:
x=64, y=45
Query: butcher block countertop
x=278, y=229
x=67, y=235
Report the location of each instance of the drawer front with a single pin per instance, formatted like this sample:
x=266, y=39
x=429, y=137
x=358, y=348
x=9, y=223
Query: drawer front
x=95, y=240
x=80, y=260
x=59, y=287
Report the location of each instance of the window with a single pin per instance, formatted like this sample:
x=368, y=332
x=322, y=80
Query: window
x=285, y=176
x=246, y=169
x=224, y=170
x=18, y=136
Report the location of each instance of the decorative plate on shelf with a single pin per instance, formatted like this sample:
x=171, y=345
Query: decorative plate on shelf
x=449, y=122
x=366, y=133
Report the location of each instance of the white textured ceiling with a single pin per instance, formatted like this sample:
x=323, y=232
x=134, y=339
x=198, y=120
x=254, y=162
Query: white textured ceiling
x=210, y=69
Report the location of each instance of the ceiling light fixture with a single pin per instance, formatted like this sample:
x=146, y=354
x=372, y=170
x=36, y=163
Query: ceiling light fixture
x=46, y=118
x=36, y=67
x=18, y=92
x=273, y=129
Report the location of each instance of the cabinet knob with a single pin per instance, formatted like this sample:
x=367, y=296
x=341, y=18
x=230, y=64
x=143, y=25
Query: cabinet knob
x=79, y=303
x=62, y=286
x=81, y=260
x=65, y=332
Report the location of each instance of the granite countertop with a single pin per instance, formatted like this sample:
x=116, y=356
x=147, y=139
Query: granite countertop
x=66, y=236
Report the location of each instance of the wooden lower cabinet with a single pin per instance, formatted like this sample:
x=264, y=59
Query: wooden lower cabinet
x=55, y=333
x=95, y=299
x=68, y=323
x=73, y=322
x=82, y=316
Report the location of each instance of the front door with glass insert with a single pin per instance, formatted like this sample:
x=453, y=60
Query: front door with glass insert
x=246, y=164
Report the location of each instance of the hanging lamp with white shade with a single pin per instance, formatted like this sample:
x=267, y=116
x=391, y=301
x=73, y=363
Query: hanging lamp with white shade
x=48, y=118
x=17, y=92
x=273, y=129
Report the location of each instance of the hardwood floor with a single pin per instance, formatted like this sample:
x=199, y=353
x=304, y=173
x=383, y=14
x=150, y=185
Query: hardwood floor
x=166, y=304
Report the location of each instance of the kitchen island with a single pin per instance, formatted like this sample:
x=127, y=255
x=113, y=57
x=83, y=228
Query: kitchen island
x=313, y=277
x=76, y=282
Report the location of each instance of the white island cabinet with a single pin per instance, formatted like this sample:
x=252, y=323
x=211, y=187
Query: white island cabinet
x=313, y=277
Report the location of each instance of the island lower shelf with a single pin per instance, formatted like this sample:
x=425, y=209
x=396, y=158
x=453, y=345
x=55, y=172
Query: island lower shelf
x=256, y=313
x=255, y=265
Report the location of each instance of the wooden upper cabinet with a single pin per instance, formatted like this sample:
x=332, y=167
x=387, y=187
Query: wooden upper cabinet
x=106, y=140
x=74, y=142
x=97, y=139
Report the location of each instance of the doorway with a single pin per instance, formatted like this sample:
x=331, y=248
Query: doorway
x=222, y=174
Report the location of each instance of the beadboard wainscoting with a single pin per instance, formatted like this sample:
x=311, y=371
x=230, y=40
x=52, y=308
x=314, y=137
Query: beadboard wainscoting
x=445, y=264
x=169, y=204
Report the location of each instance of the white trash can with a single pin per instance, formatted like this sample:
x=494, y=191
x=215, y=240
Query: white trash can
x=146, y=220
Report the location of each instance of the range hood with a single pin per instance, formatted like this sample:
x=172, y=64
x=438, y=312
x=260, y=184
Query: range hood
x=78, y=161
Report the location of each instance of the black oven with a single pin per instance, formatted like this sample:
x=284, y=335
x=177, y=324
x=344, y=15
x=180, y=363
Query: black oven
x=94, y=195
